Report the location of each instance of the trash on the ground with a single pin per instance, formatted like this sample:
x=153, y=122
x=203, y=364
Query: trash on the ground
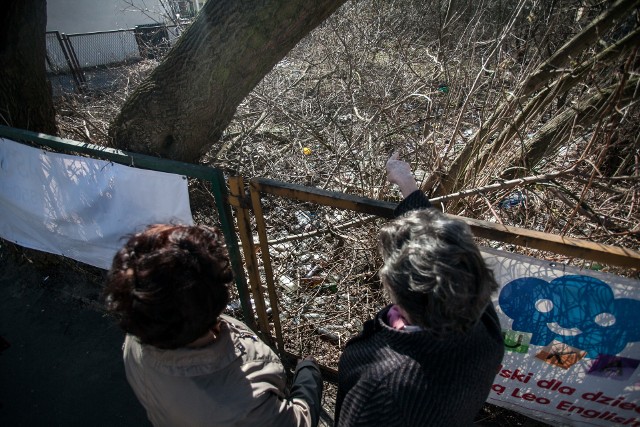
x=331, y=287
x=288, y=283
x=311, y=278
x=305, y=217
x=313, y=271
x=281, y=247
x=312, y=315
x=327, y=335
x=443, y=87
x=512, y=200
x=312, y=281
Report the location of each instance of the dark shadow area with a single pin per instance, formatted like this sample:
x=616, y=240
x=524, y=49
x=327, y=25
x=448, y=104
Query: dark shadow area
x=63, y=364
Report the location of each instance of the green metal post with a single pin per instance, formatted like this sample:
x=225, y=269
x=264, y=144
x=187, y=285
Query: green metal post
x=219, y=189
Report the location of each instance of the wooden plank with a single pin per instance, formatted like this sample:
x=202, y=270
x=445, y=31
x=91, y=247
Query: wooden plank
x=266, y=262
x=578, y=248
x=236, y=186
x=569, y=246
x=325, y=197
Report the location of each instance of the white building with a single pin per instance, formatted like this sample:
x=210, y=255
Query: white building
x=87, y=16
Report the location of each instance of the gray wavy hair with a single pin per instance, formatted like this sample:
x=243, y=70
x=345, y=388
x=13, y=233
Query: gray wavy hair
x=433, y=269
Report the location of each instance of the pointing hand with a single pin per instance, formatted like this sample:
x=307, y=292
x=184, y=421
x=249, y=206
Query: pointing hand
x=399, y=173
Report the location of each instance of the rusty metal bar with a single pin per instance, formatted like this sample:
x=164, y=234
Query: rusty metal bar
x=328, y=374
x=606, y=254
x=75, y=73
x=72, y=58
x=266, y=262
x=325, y=197
x=236, y=186
x=569, y=246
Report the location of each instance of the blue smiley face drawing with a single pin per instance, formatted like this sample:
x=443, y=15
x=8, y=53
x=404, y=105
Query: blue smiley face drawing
x=580, y=311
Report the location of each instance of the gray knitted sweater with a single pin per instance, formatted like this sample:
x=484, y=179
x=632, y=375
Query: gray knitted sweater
x=389, y=377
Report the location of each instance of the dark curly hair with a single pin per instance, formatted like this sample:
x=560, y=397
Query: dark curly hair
x=434, y=270
x=168, y=284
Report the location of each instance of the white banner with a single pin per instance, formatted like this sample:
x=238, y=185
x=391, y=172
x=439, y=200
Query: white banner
x=80, y=207
x=572, y=341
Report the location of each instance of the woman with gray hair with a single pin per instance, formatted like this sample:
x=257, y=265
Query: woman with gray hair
x=430, y=357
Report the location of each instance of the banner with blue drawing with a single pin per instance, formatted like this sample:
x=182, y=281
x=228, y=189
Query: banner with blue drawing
x=572, y=343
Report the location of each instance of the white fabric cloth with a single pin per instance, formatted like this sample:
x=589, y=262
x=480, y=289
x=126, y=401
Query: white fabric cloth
x=80, y=207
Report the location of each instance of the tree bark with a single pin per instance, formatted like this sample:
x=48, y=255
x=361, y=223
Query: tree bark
x=183, y=107
x=25, y=94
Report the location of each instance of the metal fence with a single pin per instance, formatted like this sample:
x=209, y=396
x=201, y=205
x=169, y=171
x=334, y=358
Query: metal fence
x=312, y=261
x=80, y=62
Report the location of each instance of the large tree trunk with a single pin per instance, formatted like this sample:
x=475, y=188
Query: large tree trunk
x=25, y=95
x=190, y=98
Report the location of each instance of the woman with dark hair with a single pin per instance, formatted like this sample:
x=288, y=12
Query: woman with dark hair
x=429, y=358
x=188, y=364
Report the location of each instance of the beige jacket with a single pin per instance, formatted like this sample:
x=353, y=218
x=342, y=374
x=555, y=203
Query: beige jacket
x=236, y=381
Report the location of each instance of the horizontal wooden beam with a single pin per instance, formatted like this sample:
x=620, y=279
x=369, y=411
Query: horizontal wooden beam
x=578, y=248
x=324, y=197
x=569, y=246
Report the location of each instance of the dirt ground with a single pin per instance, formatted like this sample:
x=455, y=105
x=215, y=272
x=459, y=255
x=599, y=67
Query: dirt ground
x=60, y=358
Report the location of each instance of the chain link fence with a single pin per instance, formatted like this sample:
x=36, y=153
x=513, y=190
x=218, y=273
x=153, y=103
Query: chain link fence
x=91, y=61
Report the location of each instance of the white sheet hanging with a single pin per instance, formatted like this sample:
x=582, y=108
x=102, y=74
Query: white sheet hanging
x=80, y=207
